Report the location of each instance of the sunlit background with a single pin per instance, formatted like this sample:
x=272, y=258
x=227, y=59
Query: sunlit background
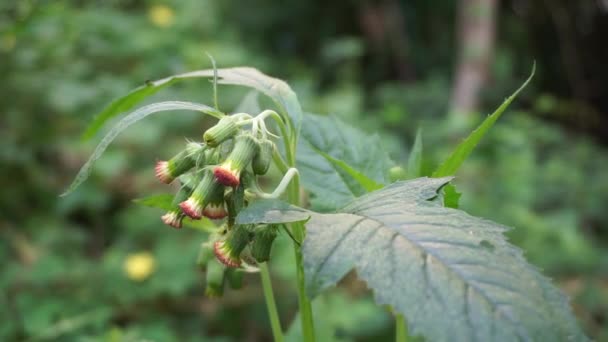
x=95, y=266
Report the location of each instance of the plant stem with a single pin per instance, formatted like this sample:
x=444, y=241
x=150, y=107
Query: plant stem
x=400, y=329
x=298, y=231
x=273, y=314
x=308, y=330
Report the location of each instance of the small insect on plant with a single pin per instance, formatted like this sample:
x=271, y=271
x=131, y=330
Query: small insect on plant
x=446, y=275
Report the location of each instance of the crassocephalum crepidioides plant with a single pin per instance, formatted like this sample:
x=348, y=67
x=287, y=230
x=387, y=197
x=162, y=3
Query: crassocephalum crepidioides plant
x=448, y=275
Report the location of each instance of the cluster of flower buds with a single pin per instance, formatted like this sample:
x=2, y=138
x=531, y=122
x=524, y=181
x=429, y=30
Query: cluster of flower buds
x=216, y=178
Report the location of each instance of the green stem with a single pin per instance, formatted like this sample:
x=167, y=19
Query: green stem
x=308, y=330
x=273, y=314
x=400, y=329
x=298, y=230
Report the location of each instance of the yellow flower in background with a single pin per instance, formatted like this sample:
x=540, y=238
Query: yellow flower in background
x=161, y=15
x=139, y=266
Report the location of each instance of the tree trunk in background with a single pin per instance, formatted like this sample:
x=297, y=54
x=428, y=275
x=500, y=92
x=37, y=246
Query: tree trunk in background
x=476, y=31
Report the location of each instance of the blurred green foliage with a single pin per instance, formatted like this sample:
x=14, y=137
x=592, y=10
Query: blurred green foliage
x=65, y=274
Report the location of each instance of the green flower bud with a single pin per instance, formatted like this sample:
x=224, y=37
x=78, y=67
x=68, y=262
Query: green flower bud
x=261, y=161
x=262, y=243
x=215, y=279
x=228, y=173
x=235, y=278
x=205, y=255
x=228, y=251
x=193, y=206
x=225, y=129
x=212, y=156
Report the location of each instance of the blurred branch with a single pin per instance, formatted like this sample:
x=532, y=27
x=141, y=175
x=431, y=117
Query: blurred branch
x=476, y=34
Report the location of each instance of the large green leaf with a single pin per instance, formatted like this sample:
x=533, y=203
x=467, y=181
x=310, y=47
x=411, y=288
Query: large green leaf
x=274, y=88
x=454, y=277
x=464, y=149
x=338, y=162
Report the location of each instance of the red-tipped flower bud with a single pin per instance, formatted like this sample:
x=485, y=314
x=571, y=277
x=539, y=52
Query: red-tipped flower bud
x=193, y=206
x=261, y=161
x=215, y=208
x=229, y=172
x=167, y=171
x=228, y=251
x=173, y=218
x=225, y=129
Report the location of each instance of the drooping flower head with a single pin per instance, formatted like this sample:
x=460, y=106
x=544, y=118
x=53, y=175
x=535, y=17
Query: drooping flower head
x=228, y=250
x=215, y=208
x=173, y=218
x=262, y=242
x=261, y=161
x=193, y=206
x=229, y=172
x=225, y=129
x=167, y=171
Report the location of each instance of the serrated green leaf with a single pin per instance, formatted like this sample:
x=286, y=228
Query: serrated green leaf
x=274, y=88
x=414, y=162
x=123, y=124
x=464, y=149
x=350, y=163
x=161, y=201
x=454, y=277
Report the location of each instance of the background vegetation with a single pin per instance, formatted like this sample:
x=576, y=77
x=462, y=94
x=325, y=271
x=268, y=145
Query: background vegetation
x=95, y=266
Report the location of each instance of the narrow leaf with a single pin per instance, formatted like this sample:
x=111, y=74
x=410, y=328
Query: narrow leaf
x=122, y=105
x=274, y=88
x=268, y=211
x=464, y=149
x=127, y=121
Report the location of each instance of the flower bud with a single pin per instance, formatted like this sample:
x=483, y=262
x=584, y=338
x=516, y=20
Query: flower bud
x=167, y=171
x=228, y=251
x=212, y=156
x=225, y=129
x=205, y=255
x=262, y=243
x=261, y=161
x=215, y=279
x=193, y=206
x=216, y=207
x=228, y=173
x=174, y=217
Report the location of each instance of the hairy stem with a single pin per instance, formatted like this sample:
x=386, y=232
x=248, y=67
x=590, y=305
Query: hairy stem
x=273, y=314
